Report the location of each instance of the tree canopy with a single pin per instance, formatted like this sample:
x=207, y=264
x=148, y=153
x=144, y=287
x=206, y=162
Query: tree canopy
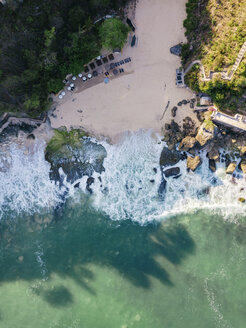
x=43, y=41
x=113, y=33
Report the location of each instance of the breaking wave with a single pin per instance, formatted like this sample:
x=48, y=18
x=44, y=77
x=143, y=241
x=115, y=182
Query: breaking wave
x=127, y=189
x=24, y=181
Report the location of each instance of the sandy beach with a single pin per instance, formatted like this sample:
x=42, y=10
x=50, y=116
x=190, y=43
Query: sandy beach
x=136, y=99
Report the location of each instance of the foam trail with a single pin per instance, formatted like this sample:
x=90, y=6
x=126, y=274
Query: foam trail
x=24, y=183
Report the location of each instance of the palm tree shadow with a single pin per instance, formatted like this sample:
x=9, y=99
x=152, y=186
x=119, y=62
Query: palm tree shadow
x=69, y=245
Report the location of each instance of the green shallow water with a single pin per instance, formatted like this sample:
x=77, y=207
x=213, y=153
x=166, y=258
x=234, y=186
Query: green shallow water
x=81, y=269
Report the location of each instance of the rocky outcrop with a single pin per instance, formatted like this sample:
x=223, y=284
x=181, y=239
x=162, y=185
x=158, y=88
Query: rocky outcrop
x=82, y=159
x=205, y=133
x=176, y=50
x=214, y=153
x=212, y=165
x=174, y=110
x=187, y=143
x=242, y=165
x=231, y=167
x=241, y=200
x=169, y=157
x=193, y=162
x=242, y=150
x=173, y=171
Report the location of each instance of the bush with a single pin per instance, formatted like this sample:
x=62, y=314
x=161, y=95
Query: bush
x=113, y=33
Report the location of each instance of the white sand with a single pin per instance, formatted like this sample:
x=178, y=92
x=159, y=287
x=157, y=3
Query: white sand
x=135, y=100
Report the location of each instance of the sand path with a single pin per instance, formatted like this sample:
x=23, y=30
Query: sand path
x=135, y=100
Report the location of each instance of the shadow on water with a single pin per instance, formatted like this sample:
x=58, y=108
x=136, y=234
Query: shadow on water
x=58, y=296
x=79, y=237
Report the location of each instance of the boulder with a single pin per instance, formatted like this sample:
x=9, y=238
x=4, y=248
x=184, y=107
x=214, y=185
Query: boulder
x=231, y=167
x=174, y=110
x=242, y=150
x=169, y=157
x=162, y=189
x=193, y=162
x=176, y=50
x=242, y=165
x=212, y=165
x=187, y=143
x=214, y=153
x=171, y=172
x=205, y=133
x=241, y=199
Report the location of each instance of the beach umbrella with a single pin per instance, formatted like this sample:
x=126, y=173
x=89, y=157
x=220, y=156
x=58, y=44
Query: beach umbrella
x=72, y=85
x=84, y=78
x=74, y=78
x=79, y=75
x=63, y=93
x=60, y=97
x=106, y=80
x=89, y=76
x=69, y=88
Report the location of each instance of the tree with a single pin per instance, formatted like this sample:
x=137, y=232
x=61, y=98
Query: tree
x=113, y=33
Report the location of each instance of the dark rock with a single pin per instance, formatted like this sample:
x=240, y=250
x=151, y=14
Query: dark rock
x=173, y=111
x=176, y=50
x=171, y=172
x=169, y=157
x=77, y=185
x=184, y=101
x=76, y=162
x=177, y=176
x=174, y=126
x=242, y=165
x=152, y=180
x=162, y=189
x=89, y=182
x=212, y=165
x=167, y=126
x=179, y=103
x=31, y=136
x=155, y=169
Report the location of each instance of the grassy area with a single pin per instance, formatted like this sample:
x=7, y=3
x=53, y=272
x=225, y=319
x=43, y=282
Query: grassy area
x=63, y=138
x=216, y=30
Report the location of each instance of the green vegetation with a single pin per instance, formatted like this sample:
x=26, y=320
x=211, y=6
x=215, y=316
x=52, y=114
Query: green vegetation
x=63, y=138
x=113, y=33
x=209, y=125
x=216, y=30
x=43, y=41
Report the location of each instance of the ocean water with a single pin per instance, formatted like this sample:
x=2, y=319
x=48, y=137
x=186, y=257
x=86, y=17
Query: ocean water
x=121, y=257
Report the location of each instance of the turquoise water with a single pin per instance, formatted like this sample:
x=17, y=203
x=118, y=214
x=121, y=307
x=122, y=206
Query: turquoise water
x=121, y=257
x=78, y=268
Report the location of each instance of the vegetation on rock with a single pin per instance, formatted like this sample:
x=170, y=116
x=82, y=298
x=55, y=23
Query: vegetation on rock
x=216, y=30
x=63, y=138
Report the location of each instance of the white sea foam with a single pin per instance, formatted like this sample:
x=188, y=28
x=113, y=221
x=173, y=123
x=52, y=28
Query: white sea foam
x=24, y=184
x=126, y=190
